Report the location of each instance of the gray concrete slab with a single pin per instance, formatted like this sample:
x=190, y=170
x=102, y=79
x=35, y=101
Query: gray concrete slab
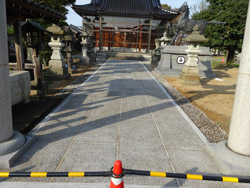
x=139, y=133
x=83, y=160
x=120, y=112
x=104, y=130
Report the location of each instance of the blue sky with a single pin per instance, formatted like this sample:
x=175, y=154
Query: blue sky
x=75, y=19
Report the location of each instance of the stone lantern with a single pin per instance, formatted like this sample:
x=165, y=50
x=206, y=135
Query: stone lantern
x=57, y=63
x=190, y=72
x=164, y=40
x=68, y=50
x=159, y=45
x=84, y=43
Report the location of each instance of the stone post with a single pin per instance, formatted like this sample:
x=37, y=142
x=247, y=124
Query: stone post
x=9, y=142
x=57, y=63
x=68, y=50
x=239, y=134
x=19, y=45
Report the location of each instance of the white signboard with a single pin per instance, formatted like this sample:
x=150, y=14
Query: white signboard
x=180, y=60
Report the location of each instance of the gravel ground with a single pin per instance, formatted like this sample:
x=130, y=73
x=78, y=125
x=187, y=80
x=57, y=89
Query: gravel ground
x=212, y=132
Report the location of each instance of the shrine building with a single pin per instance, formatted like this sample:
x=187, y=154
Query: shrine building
x=124, y=25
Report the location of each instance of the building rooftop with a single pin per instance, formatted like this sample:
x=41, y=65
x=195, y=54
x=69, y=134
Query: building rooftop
x=126, y=8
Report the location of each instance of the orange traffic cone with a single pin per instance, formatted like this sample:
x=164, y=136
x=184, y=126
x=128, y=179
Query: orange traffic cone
x=223, y=60
x=116, y=179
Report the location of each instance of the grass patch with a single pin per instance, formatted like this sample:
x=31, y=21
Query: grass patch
x=216, y=63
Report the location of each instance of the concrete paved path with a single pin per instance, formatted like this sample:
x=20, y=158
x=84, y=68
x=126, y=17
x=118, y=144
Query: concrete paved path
x=121, y=112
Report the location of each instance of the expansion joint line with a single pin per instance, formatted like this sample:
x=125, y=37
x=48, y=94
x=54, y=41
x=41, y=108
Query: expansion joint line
x=119, y=126
x=157, y=127
x=73, y=139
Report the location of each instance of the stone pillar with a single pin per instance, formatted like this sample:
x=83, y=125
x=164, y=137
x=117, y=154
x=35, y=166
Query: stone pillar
x=9, y=142
x=68, y=50
x=5, y=101
x=239, y=135
x=57, y=63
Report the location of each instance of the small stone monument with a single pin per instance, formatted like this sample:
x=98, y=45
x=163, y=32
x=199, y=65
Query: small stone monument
x=57, y=64
x=190, y=72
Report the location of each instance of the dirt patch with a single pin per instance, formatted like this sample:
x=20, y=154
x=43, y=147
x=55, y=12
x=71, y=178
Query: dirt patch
x=214, y=97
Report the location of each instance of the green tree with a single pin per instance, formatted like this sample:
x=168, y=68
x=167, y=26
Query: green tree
x=228, y=36
x=58, y=5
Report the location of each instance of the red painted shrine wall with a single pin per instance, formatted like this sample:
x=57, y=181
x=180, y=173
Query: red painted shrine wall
x=121, y=39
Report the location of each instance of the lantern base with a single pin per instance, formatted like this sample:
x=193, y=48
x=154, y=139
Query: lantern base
x=190, y=75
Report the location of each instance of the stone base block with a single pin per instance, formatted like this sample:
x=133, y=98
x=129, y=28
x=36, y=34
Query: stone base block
x=13, y=144
x=7, y=160
x=91, y=56
x=84, y=60
x=190, y=75
x=230, y=163
x=189, y=78
x=54, y=73
x=190, y=70
x=19, y=86
x=58, y=67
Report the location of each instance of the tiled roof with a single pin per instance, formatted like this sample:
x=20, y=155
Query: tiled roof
x=126, y=8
